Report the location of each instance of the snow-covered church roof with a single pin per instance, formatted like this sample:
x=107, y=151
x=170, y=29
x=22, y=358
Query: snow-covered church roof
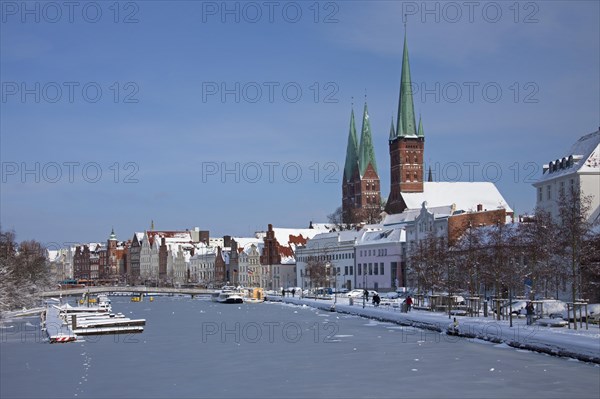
x=465, y=195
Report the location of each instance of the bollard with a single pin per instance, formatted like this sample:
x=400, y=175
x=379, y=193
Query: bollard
x=351, y=301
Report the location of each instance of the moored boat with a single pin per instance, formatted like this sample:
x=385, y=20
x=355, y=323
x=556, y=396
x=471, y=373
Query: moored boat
x=228, y=294
x=230, y=297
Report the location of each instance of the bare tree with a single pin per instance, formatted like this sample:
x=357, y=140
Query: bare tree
x=591, y=266
x=499, y=258
x=467, y=255
x=344, y=219
x=536, y=241
x=573, y=210
x=24, y=272
x=426, y=264
x=317, y=273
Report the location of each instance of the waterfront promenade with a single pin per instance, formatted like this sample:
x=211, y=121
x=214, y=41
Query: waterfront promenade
x=579, y=344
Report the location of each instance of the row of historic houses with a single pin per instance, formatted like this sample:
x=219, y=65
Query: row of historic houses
x=191, y=257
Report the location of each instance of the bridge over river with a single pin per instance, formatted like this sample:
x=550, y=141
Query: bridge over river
x=134, y=290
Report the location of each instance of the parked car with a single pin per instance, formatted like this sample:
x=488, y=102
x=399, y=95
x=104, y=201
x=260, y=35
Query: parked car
x=355, y=294
x=391, y=295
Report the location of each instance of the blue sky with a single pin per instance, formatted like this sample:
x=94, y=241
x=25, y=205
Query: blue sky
x=190, y=91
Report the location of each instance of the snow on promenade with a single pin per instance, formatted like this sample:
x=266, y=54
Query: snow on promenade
x=580, y=344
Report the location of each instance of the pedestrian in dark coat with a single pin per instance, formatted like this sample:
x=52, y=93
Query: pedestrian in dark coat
x=529, y=311
x=409, y=303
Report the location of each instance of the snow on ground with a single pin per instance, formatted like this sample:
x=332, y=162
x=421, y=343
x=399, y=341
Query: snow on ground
x=580, y=344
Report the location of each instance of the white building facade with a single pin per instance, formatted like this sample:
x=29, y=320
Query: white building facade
x=335, y=249
x=578, y=169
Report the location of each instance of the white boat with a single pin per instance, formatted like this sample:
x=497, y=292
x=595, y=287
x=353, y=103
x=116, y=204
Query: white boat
x=230, y=297
x=228, y=294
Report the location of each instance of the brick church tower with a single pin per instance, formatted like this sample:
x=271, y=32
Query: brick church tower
x=407, y=145
x=361, y=197
x=111, y=255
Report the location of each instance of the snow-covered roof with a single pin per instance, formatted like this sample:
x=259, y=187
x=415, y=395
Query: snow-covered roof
x=246, y=242
x=283, y=234
x=465, y=195
x=410, y=215
x=95, y=246
x=323, y=240
x=322, y=226
x=203, y=251
x=583, y=157
x=382, y=236
x=52, y=255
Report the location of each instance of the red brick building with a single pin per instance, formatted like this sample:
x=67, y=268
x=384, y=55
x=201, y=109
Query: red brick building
x=406, y=145
x=361, y=194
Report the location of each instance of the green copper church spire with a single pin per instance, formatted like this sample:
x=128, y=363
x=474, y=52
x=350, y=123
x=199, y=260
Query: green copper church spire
x=420, y=131
x=366, y=153
x=406, y=112
x=351, y=150
x=392, y=131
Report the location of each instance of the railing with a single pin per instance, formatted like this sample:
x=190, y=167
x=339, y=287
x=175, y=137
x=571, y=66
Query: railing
x=134, y=289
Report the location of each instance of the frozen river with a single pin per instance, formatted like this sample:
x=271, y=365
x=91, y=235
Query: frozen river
x=196, y=348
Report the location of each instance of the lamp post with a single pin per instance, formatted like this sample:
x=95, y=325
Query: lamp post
x=364, y=286
x=335, y=288
x=328, y=276
x=302, y=286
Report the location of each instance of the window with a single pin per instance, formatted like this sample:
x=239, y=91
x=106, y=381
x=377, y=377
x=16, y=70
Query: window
x=359, y=269
x=345, y=269
x=381, y=269
x=351, y=270
x=548, y=192
x=562, y=188
x=572, y=185
x=370, y=269
x=376, y=271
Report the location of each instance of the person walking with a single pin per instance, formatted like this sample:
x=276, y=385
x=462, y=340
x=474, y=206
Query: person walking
x=529, y=312
x=293, y=292
x=376, y=300
x=409, y=302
